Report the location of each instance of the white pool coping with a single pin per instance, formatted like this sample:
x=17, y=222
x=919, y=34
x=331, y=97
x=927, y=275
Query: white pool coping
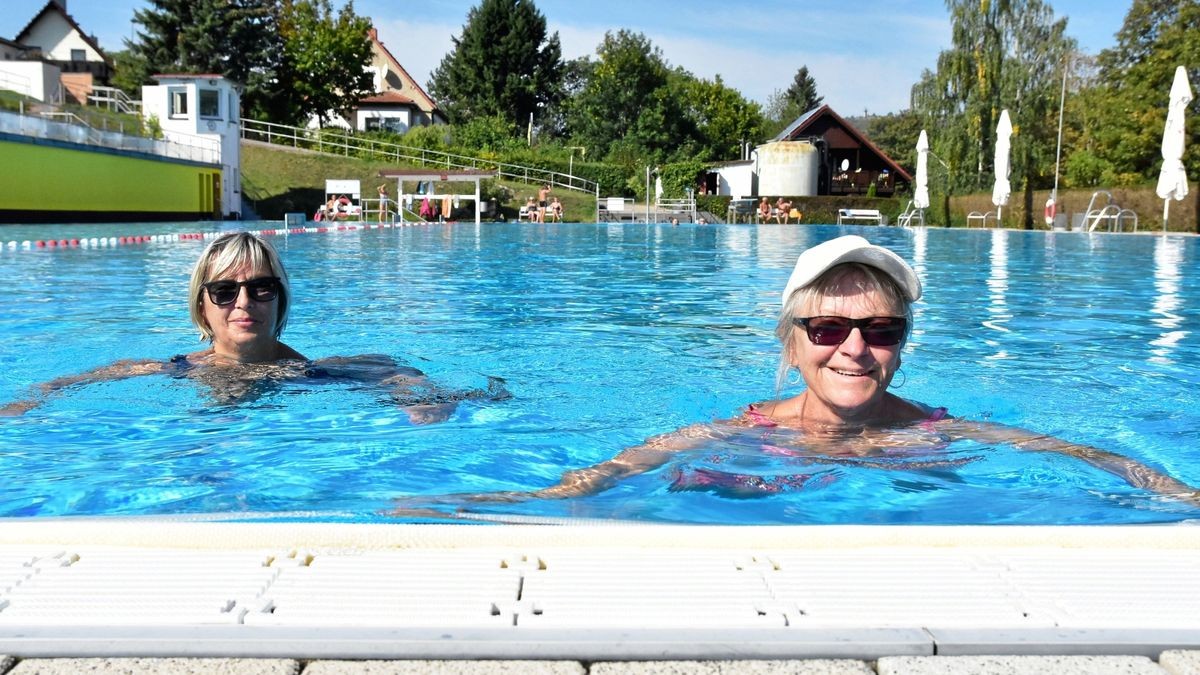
x=158, y=588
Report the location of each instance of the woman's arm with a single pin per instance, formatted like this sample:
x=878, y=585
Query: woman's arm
x=1133, y=472
x=114, y=371
x=587, y=481
x=638, y=459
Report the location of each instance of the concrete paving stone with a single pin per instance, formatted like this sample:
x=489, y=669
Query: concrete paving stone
x=156, y=666
x=1017, y=665
x=1180, y=662
x=444, y=668
x=781, y=667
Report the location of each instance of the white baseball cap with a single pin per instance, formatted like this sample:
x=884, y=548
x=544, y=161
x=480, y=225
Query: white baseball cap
x=849, y=249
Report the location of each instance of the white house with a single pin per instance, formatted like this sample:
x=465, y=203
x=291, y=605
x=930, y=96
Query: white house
x=398, y=104
x=53, y=37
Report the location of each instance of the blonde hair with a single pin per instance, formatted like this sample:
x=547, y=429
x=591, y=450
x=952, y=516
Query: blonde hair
x=230, y=253
x=863, y=278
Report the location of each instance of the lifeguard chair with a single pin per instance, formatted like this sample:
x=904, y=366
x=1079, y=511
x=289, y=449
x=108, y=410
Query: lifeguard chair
x=347, y=201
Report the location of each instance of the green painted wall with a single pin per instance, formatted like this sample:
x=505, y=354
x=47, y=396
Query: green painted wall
x=38, y=177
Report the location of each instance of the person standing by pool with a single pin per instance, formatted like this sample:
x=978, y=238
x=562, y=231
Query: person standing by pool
x=383, y=201
x=238, y=299
x=543, y=196
x=846, y=315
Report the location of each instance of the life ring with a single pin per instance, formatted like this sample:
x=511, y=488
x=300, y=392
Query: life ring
x=1051, y=210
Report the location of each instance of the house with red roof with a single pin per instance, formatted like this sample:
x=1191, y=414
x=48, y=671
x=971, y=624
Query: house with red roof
x=849, y=163
x=399, y=103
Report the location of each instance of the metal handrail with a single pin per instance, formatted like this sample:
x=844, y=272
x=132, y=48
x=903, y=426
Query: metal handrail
x=113, y=98
x=179, y=146
x=1110, y=212
x=337, y=142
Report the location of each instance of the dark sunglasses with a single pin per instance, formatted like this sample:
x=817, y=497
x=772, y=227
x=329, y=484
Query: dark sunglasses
x=225, y=292
x=877, y=331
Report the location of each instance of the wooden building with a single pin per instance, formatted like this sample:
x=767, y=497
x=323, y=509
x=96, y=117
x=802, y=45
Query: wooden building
x=849, y=162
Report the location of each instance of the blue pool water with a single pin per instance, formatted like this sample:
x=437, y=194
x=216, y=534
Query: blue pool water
x=605, y=335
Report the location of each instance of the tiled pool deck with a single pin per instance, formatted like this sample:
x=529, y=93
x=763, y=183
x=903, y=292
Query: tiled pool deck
x=340, y=598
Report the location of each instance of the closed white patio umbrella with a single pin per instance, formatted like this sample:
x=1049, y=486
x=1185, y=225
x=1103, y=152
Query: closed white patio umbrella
x=1001, y=188
x=1172, y=179
x=921, y=193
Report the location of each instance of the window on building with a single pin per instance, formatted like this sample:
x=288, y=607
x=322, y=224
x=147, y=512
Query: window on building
x=78, y=55
x=178, y=102
x=210, y=103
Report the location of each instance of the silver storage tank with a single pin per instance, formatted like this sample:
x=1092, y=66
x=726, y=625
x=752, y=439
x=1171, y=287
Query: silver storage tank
x=788, y=168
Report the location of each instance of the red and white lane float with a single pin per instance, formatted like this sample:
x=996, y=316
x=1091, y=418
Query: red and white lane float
x=133, y=240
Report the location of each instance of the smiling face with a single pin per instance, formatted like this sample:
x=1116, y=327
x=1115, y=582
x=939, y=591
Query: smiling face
x=846, y=382
x=245, y=328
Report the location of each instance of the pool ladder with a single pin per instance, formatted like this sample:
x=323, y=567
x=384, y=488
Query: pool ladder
x=1109, y=213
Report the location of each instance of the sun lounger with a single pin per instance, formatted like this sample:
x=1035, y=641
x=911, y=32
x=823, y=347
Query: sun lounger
x=854, y=215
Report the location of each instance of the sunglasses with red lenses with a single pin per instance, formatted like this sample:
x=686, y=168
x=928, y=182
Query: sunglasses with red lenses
x=877, y=331
x=225, y=292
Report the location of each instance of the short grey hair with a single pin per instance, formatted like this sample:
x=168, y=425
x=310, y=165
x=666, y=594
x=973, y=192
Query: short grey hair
x=865, y=279
x=229, y=253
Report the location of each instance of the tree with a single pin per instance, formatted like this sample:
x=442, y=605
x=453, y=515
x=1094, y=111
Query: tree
x=293, y=58
x=503, y=64
x=232, y=38
x=626, y=101
x=722, y=118
x=1131, y=91
x=555, y=116
x=325, y=60
x=803, y=92
x=896, y=135
x=784, y=106
x=1004, y=54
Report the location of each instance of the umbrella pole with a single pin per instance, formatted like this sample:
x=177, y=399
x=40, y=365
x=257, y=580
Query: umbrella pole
x=1166, y=209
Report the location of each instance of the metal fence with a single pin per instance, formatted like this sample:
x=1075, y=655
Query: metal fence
x=341, y=143
x=179, y=146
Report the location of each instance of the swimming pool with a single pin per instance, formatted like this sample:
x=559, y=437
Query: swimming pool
x=605, y=335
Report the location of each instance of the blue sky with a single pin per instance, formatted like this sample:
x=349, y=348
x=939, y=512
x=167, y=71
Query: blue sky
x=865, y=55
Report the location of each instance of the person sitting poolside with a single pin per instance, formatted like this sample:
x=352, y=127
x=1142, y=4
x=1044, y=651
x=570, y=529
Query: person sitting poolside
x=239, y=299
x=846, y=315
x=764, y=210
x=783, y=208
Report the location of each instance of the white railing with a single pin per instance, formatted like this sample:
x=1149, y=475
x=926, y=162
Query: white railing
x=19, y=84
x=115, y=99
x=337, y=142
x=686, y=205
x=180, y=146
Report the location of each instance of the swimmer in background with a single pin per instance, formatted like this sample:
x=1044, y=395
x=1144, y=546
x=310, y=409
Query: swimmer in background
x=846, y=315
x=239, y=299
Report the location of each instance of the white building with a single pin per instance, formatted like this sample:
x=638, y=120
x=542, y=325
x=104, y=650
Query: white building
x=202, y=110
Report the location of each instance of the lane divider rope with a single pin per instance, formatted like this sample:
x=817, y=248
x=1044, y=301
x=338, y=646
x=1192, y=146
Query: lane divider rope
x=112, y=242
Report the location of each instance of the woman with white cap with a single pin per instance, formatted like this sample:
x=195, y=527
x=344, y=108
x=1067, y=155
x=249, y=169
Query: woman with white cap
x=846, y=315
